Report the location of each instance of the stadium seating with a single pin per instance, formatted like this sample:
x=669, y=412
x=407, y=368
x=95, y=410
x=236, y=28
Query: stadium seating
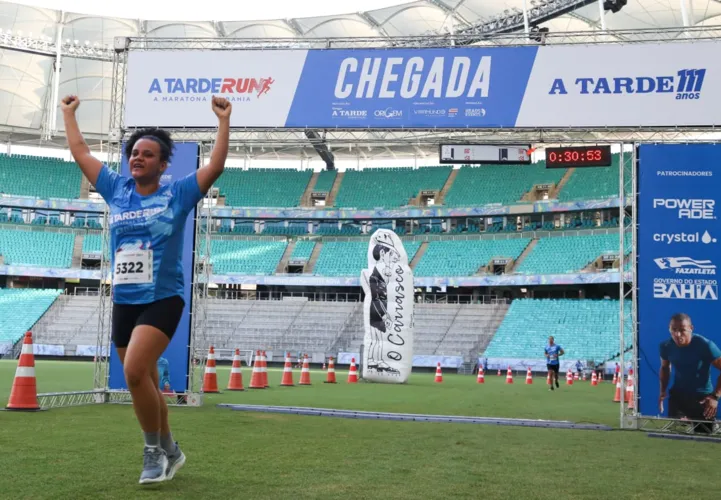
x=302, y=250
x=565, y=254
x=586, y=329
x=325, y=181
x=591, y=183
x=60, y=179
x=260, y=257
x=388, y=187
x=465, y=257
x=347, y=258
x=498, y=183
x=92, y=243
x=20, y=309
x=25, y=247
x=263, y=187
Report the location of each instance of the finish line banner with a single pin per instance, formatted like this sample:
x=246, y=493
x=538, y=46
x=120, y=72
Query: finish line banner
x=670, y=84
x=679, y=237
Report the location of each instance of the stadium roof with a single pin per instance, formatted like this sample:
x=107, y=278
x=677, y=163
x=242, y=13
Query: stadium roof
x=83, y=26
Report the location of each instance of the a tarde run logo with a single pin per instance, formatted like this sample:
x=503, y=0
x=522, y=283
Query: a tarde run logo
x=686, y=84
x=192, y=89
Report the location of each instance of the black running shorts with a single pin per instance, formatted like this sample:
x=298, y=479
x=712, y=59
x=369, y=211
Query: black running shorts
x=162, y=314
x=553, y=368
x=685, y=405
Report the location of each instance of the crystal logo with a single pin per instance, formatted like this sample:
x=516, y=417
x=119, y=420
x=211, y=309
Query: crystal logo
x=670, y=238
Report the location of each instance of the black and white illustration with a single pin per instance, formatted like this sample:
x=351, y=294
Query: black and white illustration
x=388, y=310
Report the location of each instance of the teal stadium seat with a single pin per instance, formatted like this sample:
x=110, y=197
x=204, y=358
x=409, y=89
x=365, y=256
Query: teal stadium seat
x=388, y=187
x=19, y=174
x=263, y=187
x=20, y=309
x=592, y=183
x=567, y=254
x=25, y=247
x=325, y=181
x=303, y=250
x=465, y=257
x=347, y=258
x=586, y=329
x=258, y=257
x=488, y=184
x=92, y=243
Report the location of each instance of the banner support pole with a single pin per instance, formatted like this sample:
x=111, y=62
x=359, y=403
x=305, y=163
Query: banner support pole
x=621, y=283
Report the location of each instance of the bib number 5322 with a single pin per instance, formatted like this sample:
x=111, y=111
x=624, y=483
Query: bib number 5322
x=133, y=267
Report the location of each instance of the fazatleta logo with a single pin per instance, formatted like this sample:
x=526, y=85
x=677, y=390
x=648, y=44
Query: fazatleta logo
x=387, y=310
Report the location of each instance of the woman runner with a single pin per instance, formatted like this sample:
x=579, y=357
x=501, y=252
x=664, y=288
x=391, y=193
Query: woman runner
x=147, y=221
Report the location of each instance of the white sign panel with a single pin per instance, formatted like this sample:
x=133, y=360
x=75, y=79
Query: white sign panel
x=175, y=88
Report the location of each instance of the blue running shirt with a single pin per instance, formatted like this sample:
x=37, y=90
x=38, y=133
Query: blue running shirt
x=691, y=365
x=552, y=352
x=146, y=236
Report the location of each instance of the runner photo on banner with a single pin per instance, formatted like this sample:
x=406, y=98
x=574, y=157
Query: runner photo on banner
x=679, y=251
x=184, y=162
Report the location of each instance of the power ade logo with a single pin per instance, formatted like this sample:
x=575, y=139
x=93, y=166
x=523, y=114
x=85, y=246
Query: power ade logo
x=695, y=209
x=685, y=265
x=408, y=78
x=235, y=89
x=686, y=85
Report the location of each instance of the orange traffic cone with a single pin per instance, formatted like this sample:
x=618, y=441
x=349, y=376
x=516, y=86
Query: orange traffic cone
x=323, y=368
x=617, y=396
x=499, y=372
x=575, y=376
x=529, y=376
x=330, y=377
x=305, y=372
x=481, y=379
x=548, y=379
x=630, y=399
x=256, y=378
x=210, y=379
x=594, y=380
x=569, y=377
x=287, y=380
x=509, y=376
x=24, y=394
x=235, y=383
x=615, y=379
x=584, y=376
x=439, y=374
x=264, y=369
x=352, y=373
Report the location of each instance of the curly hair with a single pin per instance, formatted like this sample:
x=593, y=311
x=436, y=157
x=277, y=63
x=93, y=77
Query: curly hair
x=162, y=137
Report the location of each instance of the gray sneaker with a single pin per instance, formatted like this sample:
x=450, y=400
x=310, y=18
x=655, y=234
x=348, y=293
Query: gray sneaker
x=175, y=461
x=155, y=463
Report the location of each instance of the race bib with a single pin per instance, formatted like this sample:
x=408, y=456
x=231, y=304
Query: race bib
x=133, y=267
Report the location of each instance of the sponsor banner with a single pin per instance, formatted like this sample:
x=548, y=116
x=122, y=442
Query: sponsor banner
x=48, y=350
x=521, y=365
x=185, y=161
x=89, y=350
x=678, y=274
x=666, y=84
x=419, y=360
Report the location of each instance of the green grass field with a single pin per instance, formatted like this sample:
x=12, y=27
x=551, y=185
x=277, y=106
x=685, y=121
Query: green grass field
x=96, y=451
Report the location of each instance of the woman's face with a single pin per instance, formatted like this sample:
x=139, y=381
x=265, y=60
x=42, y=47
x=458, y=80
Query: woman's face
x=145, y=165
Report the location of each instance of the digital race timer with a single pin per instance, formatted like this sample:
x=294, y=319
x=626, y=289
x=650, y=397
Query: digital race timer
x=583, y=156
